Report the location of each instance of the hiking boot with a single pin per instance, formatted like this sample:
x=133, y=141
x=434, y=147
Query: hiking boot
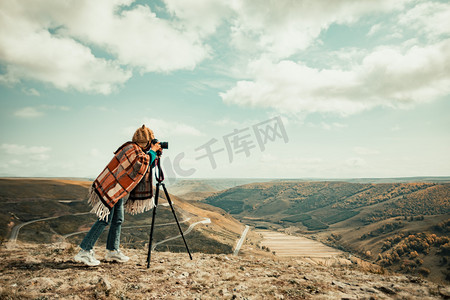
x=87, y=257
x=116, y=255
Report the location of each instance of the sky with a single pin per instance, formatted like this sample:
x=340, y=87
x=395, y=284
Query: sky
x=238, y=88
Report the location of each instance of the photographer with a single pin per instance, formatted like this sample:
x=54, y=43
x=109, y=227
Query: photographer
x=124, y=184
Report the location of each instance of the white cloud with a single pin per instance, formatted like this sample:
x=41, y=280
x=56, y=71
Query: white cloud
x=365, y=151
x=163, y=128
x=33, y=112
x=50, y=42
x=352, y=79
x=250, y=122
x=296, y=162
x=388, y=76
x=429, y=18
x=203, y=16
x=95, y=153
x=58, y=43
x=329, y=126
x=31, y=52
x=199, y=86
x=28, y=112
x=374, y=29
x=281, y=28
x=15, y=162
x=55, y=107
x=227, y=122
x=36, y=153
x=133, y=34
x=24, y=160
x=31, y=92
x=22, y=149
x=356, y=162
x=184, y=129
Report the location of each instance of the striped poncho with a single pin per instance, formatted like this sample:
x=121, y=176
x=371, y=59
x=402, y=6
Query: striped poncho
x=128, y=173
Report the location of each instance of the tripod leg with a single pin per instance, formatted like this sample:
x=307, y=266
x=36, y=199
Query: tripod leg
x=176, y=219
x=153, y=226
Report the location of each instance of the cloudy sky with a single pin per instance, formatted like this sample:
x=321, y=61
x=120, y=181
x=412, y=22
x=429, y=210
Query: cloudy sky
x=239, y=88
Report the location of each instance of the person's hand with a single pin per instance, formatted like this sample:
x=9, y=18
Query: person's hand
x=156, y=147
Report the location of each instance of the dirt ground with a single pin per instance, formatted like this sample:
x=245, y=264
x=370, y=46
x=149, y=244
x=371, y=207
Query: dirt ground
x=38, y=271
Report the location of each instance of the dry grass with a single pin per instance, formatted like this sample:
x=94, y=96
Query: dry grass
x=48, y=271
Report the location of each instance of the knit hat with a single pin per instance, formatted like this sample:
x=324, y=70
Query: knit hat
x=143, y=136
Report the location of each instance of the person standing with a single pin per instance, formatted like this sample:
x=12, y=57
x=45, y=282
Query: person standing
x=124, y=185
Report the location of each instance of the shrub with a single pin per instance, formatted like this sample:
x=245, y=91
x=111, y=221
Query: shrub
x=444, y=249
x=408, y=265
x=314, y=224
x=413, y=254
x=386, y=245
x=297, y=218
x=395, y=257
x=423, y=271
x=443, y=226
x=385, y=263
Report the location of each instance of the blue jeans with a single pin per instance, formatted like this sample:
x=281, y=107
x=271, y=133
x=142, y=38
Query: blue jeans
x=115, y=218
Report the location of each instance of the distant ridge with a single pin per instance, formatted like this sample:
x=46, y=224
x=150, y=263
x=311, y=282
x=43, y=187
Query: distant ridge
x=239, y=181
x=430, y=179
x=49, y=178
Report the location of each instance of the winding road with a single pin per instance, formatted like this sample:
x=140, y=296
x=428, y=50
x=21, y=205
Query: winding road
x=241, y=240
x=204, y=221
x=16, y=229
x=124, y=227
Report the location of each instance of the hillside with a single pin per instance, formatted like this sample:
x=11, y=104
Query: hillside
x=36, y=271
x=317, y=205
x=199, y=189
x=64, y=203
x=403, y=227
x=355, y=217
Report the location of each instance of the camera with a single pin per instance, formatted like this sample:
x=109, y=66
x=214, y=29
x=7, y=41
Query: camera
x=164, y=145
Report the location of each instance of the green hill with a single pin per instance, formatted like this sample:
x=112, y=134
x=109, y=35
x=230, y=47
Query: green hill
x=356, y=217
x=64, y=201
x=331, y=202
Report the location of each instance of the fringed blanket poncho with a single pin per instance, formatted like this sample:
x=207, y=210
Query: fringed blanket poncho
x=127, y=173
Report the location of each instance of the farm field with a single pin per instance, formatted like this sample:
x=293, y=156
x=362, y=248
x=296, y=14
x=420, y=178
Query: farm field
x=302, y=249
x=287, y=245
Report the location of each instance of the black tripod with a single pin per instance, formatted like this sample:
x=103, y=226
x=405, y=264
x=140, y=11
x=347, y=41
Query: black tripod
x=160, y=179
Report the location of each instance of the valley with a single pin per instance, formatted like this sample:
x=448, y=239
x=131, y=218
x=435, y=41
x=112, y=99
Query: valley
x=393, y=226
x=355, y=217
x=48, y=211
